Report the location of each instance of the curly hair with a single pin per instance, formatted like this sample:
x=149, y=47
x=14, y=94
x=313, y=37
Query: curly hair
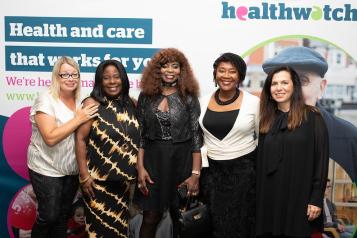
x=151, y=77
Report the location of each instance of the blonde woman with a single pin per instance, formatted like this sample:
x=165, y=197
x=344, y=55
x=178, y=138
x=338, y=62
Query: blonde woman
x=53, y=170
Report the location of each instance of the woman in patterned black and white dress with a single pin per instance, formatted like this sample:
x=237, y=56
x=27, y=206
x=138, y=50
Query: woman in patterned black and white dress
x=106, y=150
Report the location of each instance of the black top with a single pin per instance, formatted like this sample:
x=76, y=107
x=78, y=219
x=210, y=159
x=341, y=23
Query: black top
x=183, y=115
x=292, y=170
x=163, y=131
x=219, y=124
x=113, y=143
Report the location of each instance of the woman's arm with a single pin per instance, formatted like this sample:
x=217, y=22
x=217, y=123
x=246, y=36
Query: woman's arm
x=143, y=175
x=321, y=160
x=81, y=141
x=197, y=136
x=52, y=133
x=192, y=182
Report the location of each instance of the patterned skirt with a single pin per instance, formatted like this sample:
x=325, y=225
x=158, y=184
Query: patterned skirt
x=229, y=187
x=107, y=213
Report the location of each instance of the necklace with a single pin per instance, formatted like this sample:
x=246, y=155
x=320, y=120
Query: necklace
x=223, y=103
x=168, y=85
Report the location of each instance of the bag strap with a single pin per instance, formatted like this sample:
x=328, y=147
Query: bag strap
x=189, y=201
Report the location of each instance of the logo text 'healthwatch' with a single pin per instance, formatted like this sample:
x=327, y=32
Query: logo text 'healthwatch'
x=280, y=11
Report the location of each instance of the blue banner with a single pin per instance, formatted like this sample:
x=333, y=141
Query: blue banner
x=42, y=59
x=78, y=30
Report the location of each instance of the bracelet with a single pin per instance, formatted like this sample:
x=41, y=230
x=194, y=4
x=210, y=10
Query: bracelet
x=84, y=180
x=196, y=172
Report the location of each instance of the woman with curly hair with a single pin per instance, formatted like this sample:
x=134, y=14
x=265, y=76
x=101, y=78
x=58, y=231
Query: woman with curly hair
x=169, y=151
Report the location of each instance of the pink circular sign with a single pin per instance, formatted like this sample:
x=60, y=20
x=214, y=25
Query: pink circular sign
x=16, y=139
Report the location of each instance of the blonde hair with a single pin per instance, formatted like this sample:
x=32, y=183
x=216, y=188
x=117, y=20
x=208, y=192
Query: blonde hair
x=55, y=87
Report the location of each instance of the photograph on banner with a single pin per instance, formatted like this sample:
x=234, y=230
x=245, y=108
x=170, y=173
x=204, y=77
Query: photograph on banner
x=334, y=94
x=22, y=215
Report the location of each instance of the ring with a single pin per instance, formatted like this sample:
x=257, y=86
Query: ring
x=139, y=185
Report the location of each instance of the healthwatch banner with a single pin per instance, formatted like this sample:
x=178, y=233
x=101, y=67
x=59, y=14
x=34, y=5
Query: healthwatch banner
x=78, y=29
x=42, y=59
x=283, y=11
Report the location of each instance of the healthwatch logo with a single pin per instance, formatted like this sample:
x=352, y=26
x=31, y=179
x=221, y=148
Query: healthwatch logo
x=280, y=11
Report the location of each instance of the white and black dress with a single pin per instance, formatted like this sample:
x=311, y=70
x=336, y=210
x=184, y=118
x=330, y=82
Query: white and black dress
x=229, y=181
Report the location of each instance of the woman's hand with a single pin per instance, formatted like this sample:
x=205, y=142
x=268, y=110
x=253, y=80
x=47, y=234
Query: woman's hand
x=192, y=184
x=53, y=134
x=143, y=178
x=313, y=212
x=88, y=187
x=85, y=113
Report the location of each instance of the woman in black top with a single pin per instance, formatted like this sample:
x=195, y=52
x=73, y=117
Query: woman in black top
x=292, y=161
x=169, y=154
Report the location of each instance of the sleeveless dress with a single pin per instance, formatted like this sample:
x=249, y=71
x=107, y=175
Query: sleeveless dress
x=112, y=149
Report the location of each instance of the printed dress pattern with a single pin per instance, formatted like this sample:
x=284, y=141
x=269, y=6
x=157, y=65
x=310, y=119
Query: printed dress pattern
x=112, y=154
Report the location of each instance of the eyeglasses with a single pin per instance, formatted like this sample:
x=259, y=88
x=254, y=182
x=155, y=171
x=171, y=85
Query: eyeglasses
x=67, y=76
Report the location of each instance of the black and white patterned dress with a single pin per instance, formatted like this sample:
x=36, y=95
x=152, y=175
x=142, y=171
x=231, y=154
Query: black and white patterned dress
x=112, y=154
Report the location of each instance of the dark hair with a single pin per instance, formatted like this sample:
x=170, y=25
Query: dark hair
x=268, y=106
x=77, y=204
x=151, y=77
x=235, y=60
x=97, y=92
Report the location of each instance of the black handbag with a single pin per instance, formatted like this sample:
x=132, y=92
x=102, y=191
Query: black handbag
x=193, y=217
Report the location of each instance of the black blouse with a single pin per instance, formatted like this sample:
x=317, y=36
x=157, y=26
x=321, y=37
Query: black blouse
x=219, y=124
x=163, y=129
x=292, y=170
x=183, y=115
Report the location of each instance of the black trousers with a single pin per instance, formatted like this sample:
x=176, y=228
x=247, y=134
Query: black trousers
x=54, y=197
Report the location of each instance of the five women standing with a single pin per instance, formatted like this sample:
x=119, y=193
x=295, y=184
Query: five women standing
x=292, y=154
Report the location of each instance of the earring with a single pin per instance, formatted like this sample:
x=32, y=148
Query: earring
x=215, y=83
